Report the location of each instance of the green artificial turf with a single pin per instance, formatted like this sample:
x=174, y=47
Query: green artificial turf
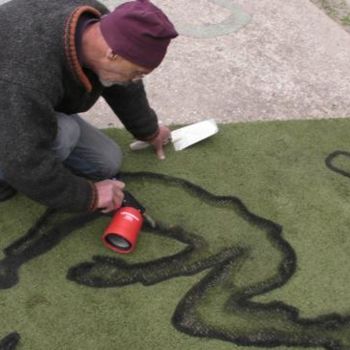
x=268, y=195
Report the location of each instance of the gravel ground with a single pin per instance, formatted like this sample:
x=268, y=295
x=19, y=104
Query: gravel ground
x=249, y=60
x=338, y=10
x=285, y=60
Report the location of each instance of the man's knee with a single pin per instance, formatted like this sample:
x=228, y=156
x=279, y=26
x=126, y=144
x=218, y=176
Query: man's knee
x=111, y=162
x=103, y=163
x=91, y=153
x=68, y=133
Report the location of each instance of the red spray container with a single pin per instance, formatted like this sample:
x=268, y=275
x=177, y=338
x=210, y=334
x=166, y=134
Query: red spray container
x=122, y=232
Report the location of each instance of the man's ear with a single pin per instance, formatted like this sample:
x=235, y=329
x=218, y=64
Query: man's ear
x=111, y=55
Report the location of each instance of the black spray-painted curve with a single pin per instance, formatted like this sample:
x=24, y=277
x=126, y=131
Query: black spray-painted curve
x=270, y=324
x=277, y=323
x=10, y=341
x=330, y=162
x=46, y=233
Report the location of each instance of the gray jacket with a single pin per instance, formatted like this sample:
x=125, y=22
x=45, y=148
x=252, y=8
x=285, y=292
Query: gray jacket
x=39, y=75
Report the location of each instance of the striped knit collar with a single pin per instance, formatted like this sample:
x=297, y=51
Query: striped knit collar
x=70, y=44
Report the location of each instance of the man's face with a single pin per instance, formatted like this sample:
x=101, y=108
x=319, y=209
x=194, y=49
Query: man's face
x=120, y=71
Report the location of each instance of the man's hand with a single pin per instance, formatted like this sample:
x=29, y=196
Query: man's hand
x=160, y=141
x=110, y=195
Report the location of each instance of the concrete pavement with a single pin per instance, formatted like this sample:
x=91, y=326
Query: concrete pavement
x=247, y=60
x=283, y=60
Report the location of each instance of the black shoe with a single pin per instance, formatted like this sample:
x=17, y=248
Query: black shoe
x=6, y=191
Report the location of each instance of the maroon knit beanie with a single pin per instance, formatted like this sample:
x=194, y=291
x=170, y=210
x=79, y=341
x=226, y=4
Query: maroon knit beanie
x=139, y=32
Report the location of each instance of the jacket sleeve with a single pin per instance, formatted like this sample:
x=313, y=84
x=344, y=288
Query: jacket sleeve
x=28, y=127
x=131, y=106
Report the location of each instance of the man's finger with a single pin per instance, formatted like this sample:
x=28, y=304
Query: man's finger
x=120, y=184
x=160, y=153
x=107, y=210
x=118, y=197
x=116, y=204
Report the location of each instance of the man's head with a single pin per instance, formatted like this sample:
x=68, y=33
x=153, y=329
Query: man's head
x=134, y=39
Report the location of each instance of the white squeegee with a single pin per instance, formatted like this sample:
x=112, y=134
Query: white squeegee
x=185, y=136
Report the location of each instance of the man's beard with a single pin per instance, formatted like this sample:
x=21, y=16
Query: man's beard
x=107, y=83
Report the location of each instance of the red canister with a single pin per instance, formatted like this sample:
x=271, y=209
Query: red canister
x=121, y=234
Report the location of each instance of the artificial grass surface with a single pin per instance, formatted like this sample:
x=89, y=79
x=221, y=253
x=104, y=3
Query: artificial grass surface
x=278, y=171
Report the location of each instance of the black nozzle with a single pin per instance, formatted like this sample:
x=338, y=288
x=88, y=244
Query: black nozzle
x=130, y=201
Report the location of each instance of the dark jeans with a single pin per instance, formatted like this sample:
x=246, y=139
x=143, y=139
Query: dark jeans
x=84, y=149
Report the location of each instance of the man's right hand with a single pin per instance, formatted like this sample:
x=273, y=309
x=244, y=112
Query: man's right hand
x=110, y=195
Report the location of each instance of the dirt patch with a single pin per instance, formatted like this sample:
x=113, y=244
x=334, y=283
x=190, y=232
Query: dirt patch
x=338, y=10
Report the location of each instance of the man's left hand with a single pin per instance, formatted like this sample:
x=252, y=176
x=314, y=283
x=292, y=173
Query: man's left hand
x=160, y=141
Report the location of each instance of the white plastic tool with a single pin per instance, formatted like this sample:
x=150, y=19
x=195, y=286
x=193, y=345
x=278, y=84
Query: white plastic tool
x=185, y=136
